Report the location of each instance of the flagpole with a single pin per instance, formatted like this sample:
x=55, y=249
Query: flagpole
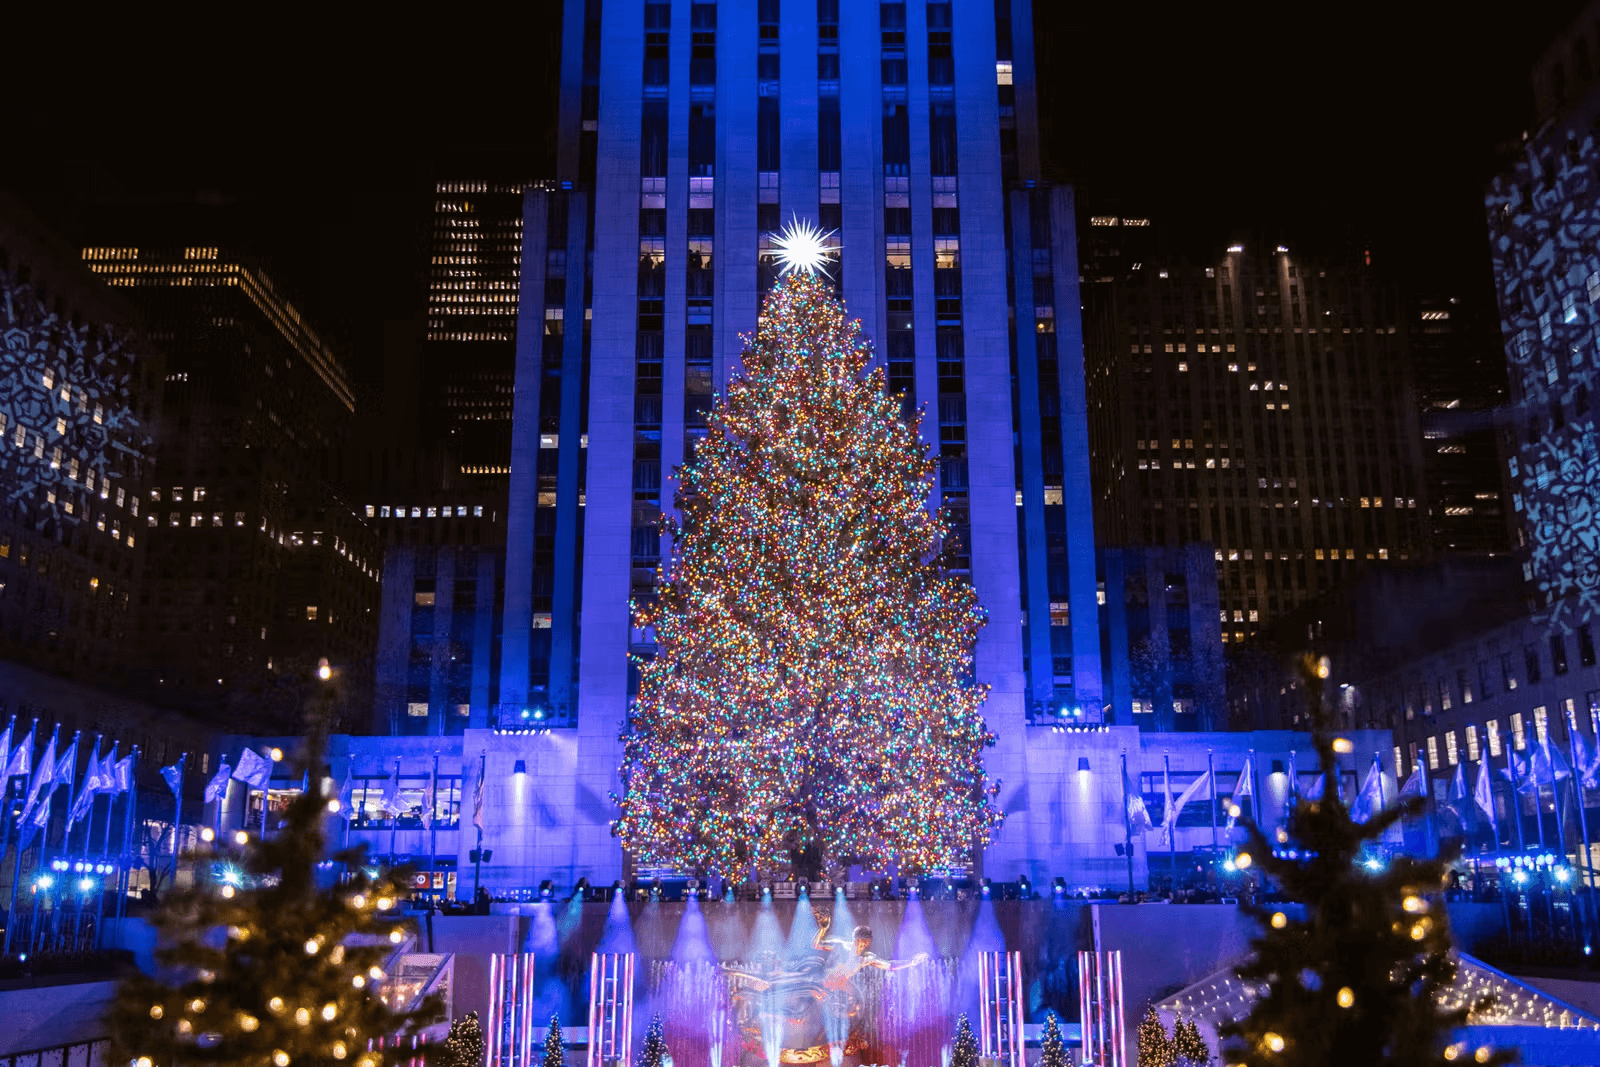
x=5, y=822
x=1583, y=818
x=1292, y=794
x=1172, y=826
x=125, y=859
x=1494, y=823
x=66, y=826
x=44, y=840
x=111, y=811
x=177, y=815
x=433, y=823
x=222, y=802
x=1555, y=793
x=1538, y=794
x=16, y=880
x=394, y=816
x=1211, y=773
x=1516, y=794
x=266, y=793
x=477, y=818
x=1255, y=793
x=88, y=820
x=1127, y=827
x=90, y=773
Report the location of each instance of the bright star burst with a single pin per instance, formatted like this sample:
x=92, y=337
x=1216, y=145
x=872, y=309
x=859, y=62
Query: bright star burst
x=803, y=247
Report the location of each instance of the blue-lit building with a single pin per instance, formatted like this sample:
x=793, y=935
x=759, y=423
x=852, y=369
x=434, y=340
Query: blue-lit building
x=689, y=133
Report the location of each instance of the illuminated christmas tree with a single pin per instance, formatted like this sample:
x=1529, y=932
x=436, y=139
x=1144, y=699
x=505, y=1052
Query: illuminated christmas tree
x=555, y=1054
x=275, y=964
x=1189, y=1047
x=811, y=704
x=1155, y=1047
x=464, y=1045
x=1052, y=1050
x=654, y=1053
x=964, y=1053
x=1360, y=978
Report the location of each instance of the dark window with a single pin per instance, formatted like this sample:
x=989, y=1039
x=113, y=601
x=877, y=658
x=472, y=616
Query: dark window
x=1585, y=646
x=702, y=134
x=653, y=140
x=942, y=137
x=767, y=133
x=828, y=137
x=896, y=139
x=1530, y=660
x=1558, y=654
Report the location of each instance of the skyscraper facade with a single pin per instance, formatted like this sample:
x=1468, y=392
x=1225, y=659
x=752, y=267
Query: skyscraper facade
x=258, y=566
x=1459, y=369
x=689, y=135
x=1257, y=400
x=1543, y=211
x=79, y=397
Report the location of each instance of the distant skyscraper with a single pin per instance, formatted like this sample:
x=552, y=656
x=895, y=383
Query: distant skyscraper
x=1458, y=367
x=258, y=566
x=1259, y=401
x=79, y=398
x=475, y=257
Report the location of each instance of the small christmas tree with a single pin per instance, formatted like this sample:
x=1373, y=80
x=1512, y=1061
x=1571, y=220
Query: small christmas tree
x=654, y=1053
x=811, y=704
x=965, y=1051
x=1189, y=1048
x=1155, y=1047
x=554, y=1054
x=266, y=967
x=464, y=1047
x=1358, y=980
x=1052, y=1050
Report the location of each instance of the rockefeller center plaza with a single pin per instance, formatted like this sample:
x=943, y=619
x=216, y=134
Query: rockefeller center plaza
x=801, y=533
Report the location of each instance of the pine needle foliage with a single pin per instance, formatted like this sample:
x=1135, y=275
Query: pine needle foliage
x=654, y=1053
x=284, y=969
x=1358, y=979
x=465, y=1045
x=964, y=1053
x=1189, y=1048
x=1052, y=1049
x=1155, y=1046
x=555, y=1055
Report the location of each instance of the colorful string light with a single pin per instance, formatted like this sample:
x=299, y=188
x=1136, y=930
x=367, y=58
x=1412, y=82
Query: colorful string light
x=812, y=695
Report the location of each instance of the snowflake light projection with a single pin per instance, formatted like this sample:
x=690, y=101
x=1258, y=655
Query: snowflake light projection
x=68, y=431
x=1545, y=226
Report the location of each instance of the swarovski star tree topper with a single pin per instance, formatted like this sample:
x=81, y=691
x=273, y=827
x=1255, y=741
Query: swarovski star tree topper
x=804, y=248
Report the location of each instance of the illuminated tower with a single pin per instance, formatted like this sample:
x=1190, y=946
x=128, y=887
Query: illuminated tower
x=689, y=133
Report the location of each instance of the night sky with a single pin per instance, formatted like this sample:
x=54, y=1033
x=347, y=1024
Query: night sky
x=313, y=143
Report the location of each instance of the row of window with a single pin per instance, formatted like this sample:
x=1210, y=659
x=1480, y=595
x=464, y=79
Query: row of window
x=1447, y=749
x=1442, y=694
x=370, y=810
x=431, y=511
